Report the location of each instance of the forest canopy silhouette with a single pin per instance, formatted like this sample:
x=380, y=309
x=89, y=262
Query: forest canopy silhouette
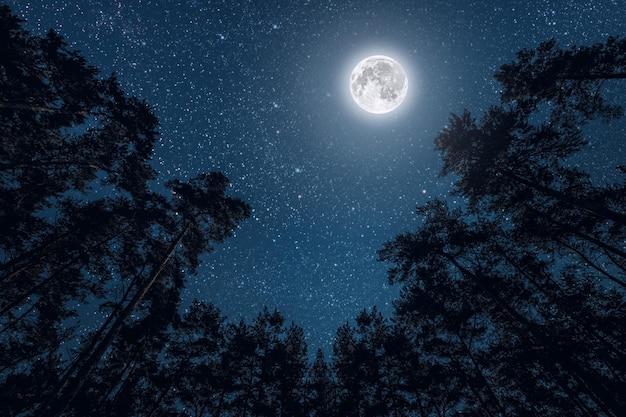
x=512, y=304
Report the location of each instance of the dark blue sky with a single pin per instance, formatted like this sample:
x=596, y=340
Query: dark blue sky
x=259, y=91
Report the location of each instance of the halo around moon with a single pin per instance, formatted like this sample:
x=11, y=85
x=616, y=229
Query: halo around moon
x=378, y=84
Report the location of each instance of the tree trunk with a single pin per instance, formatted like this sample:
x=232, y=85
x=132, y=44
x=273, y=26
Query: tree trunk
x=602, y=396
x=61, y=399
x=601, y=212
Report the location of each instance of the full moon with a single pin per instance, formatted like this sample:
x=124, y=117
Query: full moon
x=378, y=84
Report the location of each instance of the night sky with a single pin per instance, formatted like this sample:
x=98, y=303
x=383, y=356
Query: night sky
x=259, y=91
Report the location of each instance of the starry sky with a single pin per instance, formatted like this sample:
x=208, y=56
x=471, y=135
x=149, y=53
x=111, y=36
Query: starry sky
x=259, y=91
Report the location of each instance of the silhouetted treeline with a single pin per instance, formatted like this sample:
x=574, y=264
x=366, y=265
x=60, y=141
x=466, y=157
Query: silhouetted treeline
x=515, y=303
x=80, y=224
x=512, y=304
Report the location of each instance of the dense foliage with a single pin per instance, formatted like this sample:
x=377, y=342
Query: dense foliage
x=519, y=296
x=512, y=305
x=124, y=251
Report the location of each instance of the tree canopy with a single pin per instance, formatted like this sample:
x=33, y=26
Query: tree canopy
x=513, y=294
x=64, y=131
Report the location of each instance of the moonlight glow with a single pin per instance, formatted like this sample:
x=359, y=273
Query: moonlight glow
x=378, y=84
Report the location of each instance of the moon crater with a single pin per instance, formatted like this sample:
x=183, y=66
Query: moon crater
x=378, y=84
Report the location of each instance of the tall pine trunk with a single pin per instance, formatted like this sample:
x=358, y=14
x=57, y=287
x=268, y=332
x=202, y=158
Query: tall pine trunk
x=60, y=400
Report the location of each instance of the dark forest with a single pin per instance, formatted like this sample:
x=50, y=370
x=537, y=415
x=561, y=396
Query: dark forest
x=512, y=304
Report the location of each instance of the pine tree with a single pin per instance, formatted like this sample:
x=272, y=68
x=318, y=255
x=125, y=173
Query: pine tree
x=196, y=379
x=351, y=396
x=514, y=161
x=474, y=307
x=321, y=388
x=65, y=132
x=199, y=215
x=569, y=79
